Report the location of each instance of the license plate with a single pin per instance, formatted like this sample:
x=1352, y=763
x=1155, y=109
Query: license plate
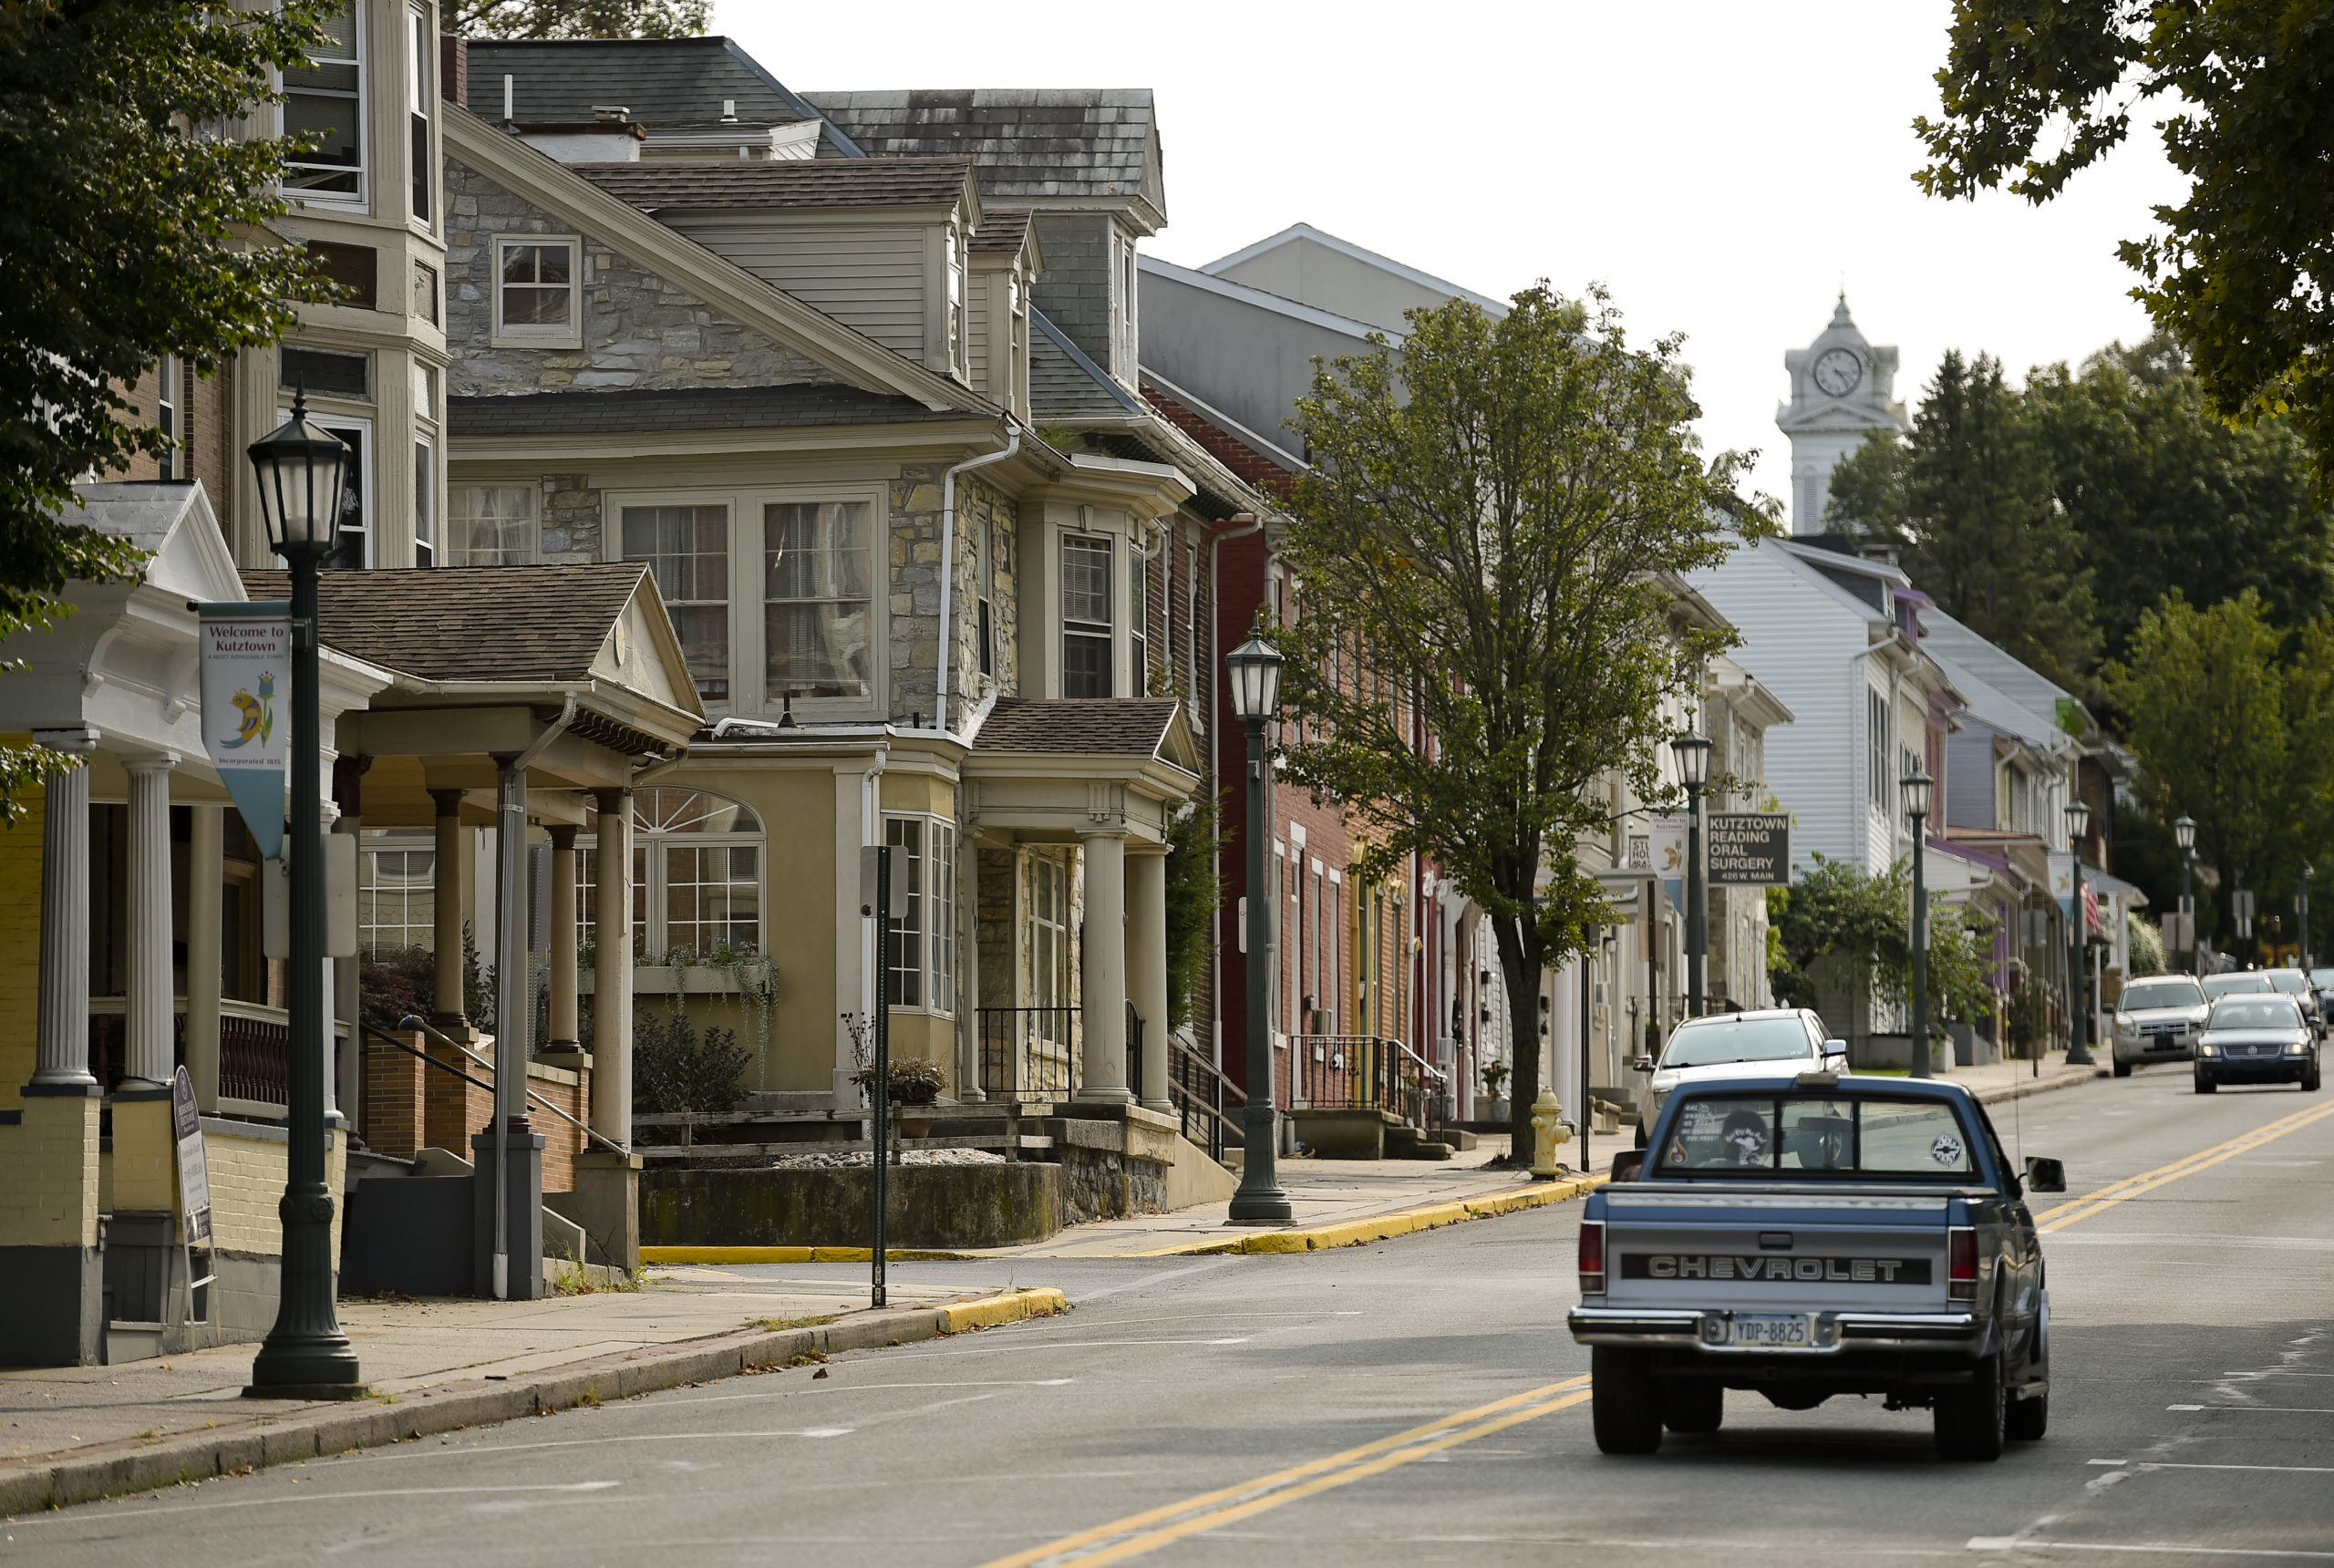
x=1779, y=1329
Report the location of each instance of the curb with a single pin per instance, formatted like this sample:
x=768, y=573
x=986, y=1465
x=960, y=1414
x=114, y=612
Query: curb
x=315, y=1431
x=669, y=1255
x=1382, y=1227
x=2061, y=1079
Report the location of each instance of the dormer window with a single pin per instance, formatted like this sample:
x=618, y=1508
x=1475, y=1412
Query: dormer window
x=959, y=356
x=1086, y=620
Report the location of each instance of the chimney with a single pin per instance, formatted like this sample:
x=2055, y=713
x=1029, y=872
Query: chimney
x=454, y=69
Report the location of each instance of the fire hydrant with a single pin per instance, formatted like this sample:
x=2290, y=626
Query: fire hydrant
x=1548, y=1129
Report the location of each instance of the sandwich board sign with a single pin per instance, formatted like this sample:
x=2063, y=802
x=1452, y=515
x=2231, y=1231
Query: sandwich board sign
x=194, y=1169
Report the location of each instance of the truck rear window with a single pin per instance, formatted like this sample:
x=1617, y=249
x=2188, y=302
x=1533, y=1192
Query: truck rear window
x=1813, y=1134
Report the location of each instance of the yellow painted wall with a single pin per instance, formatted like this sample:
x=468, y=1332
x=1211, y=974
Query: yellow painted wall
x=20, y=948
x=49, y=1174
x=246, y=1185
x=920, y=792
x=144, y=1163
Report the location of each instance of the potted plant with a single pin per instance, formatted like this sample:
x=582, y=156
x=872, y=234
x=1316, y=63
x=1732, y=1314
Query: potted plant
x=1494, y=1077
x=916, y=1082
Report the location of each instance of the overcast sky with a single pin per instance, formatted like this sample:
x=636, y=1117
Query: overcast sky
x=1722, y=167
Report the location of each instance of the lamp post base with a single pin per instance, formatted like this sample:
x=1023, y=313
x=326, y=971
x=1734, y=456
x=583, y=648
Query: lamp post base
x=1259, y=1200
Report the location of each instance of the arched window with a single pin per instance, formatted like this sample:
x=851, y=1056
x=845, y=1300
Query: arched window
x=697, y=873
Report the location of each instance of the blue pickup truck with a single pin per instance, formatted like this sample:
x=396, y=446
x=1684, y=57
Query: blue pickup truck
x=1814, y=1234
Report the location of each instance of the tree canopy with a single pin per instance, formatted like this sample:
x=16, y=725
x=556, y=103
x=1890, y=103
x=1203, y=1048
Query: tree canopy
x=133, y=228
x=1840, y=912
x=1488, y=540
x=578, y=18
x=2032, y=91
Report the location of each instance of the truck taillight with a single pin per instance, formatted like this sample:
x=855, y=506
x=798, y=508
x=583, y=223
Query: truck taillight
x=1961, y=1264
x=1592, y=1257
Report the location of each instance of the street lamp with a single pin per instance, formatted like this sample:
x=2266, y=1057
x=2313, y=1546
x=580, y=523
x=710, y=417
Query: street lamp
x=305, y=1356
x=2183, y=833
x=1916, y=787
x=2078, y=815
x=1254, y=669
x=2301, y=909
x=1694, y=767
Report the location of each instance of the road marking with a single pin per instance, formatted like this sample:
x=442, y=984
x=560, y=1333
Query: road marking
x=2282, y=1470
x=1148, y=1531
x=2269, y=1409
x=2115, y=1193
x=2107, y=1461
x=2184, y=1407
x=2012, y=1543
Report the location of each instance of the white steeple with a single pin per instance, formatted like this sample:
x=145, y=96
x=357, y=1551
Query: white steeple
x=1840, y=390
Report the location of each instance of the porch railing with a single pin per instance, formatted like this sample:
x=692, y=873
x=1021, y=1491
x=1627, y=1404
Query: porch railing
x=1369, y=1072
x=1208, y=1102
x=254, y=1049
x=1028, y=1053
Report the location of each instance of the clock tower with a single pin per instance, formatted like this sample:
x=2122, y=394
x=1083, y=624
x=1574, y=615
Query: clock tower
x=1840, y=389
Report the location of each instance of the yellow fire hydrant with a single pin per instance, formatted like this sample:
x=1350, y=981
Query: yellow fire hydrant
x=1548, y=1129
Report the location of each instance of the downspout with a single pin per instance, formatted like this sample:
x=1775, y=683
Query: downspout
x=948, y=567
x=510, y=830
x=1215, y=736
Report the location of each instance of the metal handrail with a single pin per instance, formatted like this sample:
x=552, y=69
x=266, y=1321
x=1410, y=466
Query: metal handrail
x=419, y=1027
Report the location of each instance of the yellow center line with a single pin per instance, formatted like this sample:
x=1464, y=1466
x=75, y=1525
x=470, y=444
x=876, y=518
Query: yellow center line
x=2115, y=1193
x=1153, y=1528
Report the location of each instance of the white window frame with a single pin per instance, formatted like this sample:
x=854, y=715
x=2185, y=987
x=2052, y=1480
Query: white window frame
x=1065, y=540
x=527, y=334
x=405, y=843
x=426, y=520
x=421, y=67
x=367, y=455
x=652, y=931
x=930, y=987
x=612, y=529
x=170, y=414
x=362, y=197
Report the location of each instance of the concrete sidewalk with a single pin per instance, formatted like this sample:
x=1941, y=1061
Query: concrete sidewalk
x=67, y=1434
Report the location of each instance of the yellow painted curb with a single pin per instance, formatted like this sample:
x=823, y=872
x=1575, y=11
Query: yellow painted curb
x=794, y=1255
x=1015, y=1307
x=1383, y=1227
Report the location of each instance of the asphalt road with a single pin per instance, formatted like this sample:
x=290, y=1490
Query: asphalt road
x=1414, y=1402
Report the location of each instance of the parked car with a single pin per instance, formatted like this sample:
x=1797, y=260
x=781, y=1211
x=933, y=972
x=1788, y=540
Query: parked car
x=2322, y=981
x=2157, y=1020
x=2257, y=1039
x=1807, y=1234
x=1736, y=1044
x=2295, y=984
x=2236, y=983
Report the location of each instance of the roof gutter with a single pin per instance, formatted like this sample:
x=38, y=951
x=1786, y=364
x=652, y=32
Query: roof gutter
x=948, y=564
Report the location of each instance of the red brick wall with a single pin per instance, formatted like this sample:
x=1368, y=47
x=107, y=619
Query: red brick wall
x=394, y=1098
x=453, y=1109
x=410, y=1106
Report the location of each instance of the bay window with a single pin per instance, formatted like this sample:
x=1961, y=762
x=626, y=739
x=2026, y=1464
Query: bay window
x=326, y=100
x=1086, y=621
x=923, y=936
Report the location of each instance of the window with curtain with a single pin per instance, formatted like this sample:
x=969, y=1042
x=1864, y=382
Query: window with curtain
x=326, y=99
x=688, y=549
x=817, y=610
x=489, y=525
x=1085, y=616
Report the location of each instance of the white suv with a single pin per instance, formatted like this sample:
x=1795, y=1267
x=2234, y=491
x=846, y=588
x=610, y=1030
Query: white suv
x=1736, y=1044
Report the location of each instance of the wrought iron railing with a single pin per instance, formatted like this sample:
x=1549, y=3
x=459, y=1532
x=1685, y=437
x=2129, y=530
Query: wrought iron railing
x=254, y=1047
x=1208, y=1102
x=1028, y=1053
x=1369, y=1072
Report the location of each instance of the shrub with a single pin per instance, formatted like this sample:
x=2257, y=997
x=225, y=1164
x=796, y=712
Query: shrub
x=674, y=1068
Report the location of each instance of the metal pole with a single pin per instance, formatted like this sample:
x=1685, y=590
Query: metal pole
x=305, y=1355
x=1920, y=955
x=1259, y=1201
x=513, y=997
x=1697, y=931
x=1583, y=1116
x=2078, y=1055
x=879, y=1096
x=2302, y=909
x=2188, y=907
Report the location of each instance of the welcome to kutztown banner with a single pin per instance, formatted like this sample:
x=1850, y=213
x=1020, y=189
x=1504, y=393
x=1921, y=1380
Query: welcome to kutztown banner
x=247, y=709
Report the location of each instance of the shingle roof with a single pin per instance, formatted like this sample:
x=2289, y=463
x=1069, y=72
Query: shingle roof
x=1229, y=447
x=1122, y=727
x=632, y=412
x=1065, y=384
x=663, y=81
x=1063, y=144
x=476, y=624
x=1003, y=231
x=790, y=182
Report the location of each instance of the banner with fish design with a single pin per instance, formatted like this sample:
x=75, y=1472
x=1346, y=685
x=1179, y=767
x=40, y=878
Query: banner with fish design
x=247, y=709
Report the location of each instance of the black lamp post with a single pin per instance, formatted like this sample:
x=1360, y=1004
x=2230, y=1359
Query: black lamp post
x=1254, y=669
x=1916, y=787
x=2077, y=814
x=2301, y=909
x=2183, y=833
x=1694, y=770
x=305, y=1355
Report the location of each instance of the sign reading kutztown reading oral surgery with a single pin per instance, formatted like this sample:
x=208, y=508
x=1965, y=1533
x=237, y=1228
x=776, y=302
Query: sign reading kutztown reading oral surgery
x=247, y=709
x=1749, y=849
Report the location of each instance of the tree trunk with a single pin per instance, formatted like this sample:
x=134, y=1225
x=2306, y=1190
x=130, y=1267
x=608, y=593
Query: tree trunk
x=1521, y=960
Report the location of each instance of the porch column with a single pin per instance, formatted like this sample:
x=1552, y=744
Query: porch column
x=561, y=940
x=446, y=910
x=63, y=1040
x=205, y=905
x=1147, y=969
x=1104, y=969
x=612, y=970
x=148, y=1056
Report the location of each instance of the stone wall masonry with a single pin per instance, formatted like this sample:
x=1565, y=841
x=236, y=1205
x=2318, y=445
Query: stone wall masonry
x=914, y=576
x=639, y=329
x=574, y=522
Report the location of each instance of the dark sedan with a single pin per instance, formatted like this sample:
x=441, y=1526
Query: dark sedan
x=2257, y=1039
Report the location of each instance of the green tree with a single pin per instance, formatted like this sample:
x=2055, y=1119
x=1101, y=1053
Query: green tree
x=1967, y=500
x=577, y=18
x=1195, y=892
x=2160, y=491
x=2035, y=90
x=1493, y=530
x=134, y=227
x=1841, y=912
x=2228, y=731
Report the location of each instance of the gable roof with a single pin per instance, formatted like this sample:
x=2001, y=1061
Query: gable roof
x=1003, y=231
x=1054, y=147
x=470, y=623
x=557, y=187
x=794, y=182
x=1305, y=234
x=664, y=83
x=633, y=411
x=2025, y=701
x=1120, y=727
x=1261, y=299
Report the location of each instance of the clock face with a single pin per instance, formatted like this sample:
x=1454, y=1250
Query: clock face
x=1838, y=371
